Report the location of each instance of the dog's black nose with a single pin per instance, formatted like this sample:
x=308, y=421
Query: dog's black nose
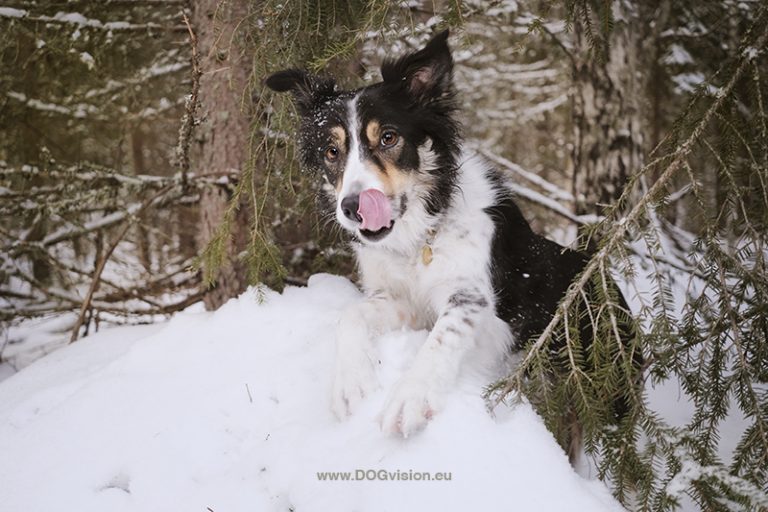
x=349, y=206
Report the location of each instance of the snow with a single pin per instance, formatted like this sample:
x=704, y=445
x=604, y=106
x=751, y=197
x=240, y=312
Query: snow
x=79, y=111
x=751, y=52
x=230, y=410
x=87, y=59
x=9, y=12
x=688, y=82
x=677, y=55
x=98, y=223
x=32, y=339
x=668, y=398
x=76, y=18
x=554, y=191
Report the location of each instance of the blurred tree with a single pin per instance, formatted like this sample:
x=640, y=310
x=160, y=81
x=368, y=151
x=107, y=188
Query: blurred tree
x=606, y=101
x=90, y=98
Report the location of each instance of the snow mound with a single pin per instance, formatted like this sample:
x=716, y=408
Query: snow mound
x=229, y=411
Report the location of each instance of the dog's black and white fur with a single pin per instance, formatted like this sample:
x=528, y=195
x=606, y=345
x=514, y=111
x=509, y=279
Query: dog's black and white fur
x=458, y=257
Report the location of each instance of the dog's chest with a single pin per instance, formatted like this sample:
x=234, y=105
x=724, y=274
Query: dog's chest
x=404, y=277
x=456, y=258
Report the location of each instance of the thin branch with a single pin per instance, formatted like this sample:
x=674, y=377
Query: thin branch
x=556, y=192
x=191, y=106
x=560, y=44
x=80, y=21
x=103, y=261
x=552, y=205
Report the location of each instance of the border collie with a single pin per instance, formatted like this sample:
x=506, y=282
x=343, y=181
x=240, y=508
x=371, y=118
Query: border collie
x=440, y=242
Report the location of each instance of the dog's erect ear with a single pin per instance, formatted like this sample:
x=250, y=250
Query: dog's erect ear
x=307, y=89
x=427, y=73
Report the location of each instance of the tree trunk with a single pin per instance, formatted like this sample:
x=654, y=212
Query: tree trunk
x=144, y=245
x=223, y=134
x=607, y=137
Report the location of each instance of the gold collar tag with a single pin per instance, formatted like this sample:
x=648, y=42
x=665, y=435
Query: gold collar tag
x=426, y=250
x=426, y=255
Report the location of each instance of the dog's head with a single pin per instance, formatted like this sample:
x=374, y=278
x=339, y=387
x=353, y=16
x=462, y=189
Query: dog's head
x=388, y=151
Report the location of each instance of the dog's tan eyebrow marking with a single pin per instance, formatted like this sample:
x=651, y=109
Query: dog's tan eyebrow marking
x=373, y=132
x=339, y=136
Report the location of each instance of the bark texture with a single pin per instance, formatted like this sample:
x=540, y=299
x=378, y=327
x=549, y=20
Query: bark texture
x=223, y=135
x=606, y=122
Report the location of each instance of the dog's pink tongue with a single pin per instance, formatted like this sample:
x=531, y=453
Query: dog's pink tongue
x=374, y=209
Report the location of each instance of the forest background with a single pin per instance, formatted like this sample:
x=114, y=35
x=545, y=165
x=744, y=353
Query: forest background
x=145, y=168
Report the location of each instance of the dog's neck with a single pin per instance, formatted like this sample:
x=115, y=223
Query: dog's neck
x=415, y=236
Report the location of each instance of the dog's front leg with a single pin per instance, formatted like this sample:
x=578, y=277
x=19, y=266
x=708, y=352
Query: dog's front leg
x=355, y=374
x=420, y=391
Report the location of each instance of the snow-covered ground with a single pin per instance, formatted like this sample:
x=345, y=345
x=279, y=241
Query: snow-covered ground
x=229, y=411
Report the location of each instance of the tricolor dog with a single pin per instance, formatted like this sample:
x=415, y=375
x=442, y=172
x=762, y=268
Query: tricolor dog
x=440, y=243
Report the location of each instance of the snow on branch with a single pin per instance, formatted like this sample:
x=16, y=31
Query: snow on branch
x=520, y=112
x=156, y=70
x=556, y=192
x=102, y=259
x=83, y=172
x=552, y=197
x=104, y=176
x=87, y=111
x=176, y=189
x=78, y=111
x=79, y=21
x=552, y=205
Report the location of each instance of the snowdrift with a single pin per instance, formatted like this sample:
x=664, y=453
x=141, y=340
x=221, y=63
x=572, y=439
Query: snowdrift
x=229, y=411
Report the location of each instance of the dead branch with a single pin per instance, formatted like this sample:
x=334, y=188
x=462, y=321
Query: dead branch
x=555, y=191
x=103, y=261
x=191, y=106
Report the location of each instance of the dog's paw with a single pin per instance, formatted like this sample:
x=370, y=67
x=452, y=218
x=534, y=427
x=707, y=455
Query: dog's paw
x=410, y=406
x=353, y=381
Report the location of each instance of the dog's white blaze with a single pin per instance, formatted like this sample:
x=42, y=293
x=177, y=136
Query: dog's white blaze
x=357, y=175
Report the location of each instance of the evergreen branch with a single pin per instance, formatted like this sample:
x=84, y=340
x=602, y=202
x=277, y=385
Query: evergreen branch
x=615, y=236
x=759, y=420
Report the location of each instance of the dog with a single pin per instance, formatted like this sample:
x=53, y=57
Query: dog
x=439, y=239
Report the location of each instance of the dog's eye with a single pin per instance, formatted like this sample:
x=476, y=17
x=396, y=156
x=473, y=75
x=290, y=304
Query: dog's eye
x=332, y=153
x=388, y=139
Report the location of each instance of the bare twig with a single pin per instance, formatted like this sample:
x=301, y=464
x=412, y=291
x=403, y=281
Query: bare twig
x=91, y=23
x=103, y=261
x=555, y=191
